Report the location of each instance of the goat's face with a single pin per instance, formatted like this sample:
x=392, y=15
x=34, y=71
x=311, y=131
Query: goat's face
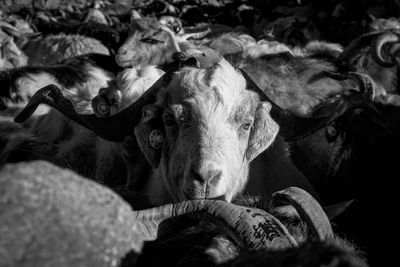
x=213, y=128
x=142, y=48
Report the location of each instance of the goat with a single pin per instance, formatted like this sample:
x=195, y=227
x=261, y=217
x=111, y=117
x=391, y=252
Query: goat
x=154, y=43
x=185, y=165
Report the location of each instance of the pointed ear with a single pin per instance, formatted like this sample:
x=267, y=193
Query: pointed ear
x=263, y=132
x=150, y=134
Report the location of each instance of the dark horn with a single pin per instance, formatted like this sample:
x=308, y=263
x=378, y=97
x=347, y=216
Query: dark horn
x=307, y=207
x=250, y=228
x=366, y=84
x=381, y=49
x=113, y=128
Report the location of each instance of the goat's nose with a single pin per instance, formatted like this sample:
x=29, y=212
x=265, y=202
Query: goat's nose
x=207, y=174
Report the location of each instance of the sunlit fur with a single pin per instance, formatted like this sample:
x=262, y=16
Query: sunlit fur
x=132, y=83
x=80, y=83
x=320, y=49
x=79, y=148
x=263, y=47
x=297, y=84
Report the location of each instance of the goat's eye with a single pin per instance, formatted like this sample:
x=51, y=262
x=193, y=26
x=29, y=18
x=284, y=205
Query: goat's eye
x=151, y=41
x=247, y=125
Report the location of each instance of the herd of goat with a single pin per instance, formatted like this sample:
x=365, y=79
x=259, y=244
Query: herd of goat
x=233, y=138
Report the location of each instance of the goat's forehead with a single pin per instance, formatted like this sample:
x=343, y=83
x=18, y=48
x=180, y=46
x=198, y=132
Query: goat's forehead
x=219, y=85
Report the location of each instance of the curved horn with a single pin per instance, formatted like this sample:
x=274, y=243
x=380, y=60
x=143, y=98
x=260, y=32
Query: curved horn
x=251, y=228
x=113, y=128
x=366, y=84
x=290, y=126
x=385, y=48
x=308, y=209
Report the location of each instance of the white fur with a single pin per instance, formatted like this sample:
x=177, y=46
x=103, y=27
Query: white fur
x=263, y=47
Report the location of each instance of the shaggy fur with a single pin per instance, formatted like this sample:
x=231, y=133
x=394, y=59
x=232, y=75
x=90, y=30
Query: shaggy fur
x=296, y=84
x=129, y=85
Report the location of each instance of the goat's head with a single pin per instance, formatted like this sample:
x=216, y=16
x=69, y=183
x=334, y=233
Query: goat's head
x=142, y=48
x=146, y=44
x=200, y=128
x=154, y=42
x=213, y=128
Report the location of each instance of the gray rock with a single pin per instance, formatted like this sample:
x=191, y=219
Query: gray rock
x=53, y=217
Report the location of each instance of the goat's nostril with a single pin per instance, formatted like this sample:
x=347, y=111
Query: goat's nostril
x=196, y=176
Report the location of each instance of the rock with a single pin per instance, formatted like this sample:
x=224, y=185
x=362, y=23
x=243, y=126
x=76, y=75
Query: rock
x=53, y=217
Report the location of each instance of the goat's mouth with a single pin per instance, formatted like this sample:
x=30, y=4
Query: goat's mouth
x=123, y=62
x=188, y=196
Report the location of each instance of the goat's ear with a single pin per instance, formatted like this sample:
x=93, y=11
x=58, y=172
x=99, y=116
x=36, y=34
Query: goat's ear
x=263, y=132
x=150, y=134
